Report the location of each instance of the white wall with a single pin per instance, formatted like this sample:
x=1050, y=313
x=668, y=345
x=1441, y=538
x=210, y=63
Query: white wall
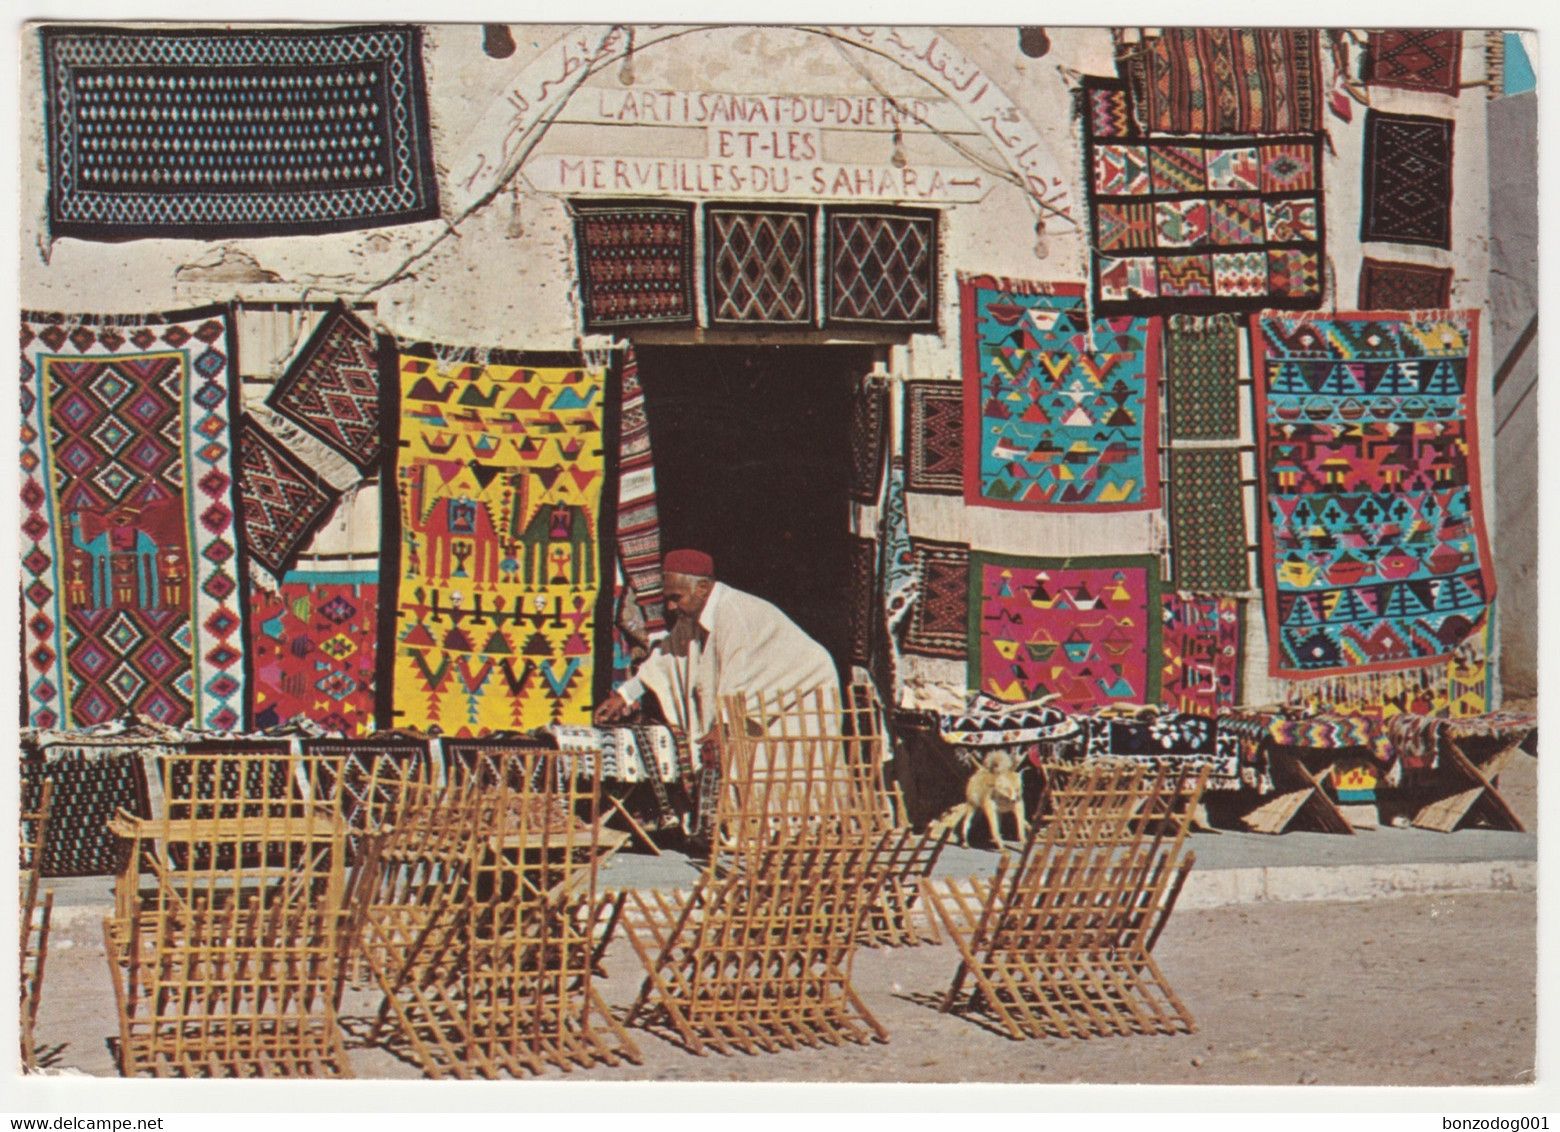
x=506, y=278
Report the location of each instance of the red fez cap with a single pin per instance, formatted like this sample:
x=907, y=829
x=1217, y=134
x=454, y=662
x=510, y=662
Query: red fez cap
x=692, y=562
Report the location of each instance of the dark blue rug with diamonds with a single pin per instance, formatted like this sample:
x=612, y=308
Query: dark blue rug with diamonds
x=211, y=134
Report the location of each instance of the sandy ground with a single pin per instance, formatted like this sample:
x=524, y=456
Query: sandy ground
x=1403, y=991
x=1408, y=991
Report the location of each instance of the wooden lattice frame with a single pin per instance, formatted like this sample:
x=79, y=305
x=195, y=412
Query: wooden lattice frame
x=1058, y=943
x=482, y=924
x=760, y=959
x=797, y=761
x=1302, y=799
x=1476, y=797
x=792, y=759
x=228, y=963
x=364, y=780
x=35, y=916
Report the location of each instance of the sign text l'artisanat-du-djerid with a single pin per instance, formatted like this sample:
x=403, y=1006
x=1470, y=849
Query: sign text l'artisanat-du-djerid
x=764, y=146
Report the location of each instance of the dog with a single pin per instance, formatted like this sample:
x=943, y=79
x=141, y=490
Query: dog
x=995, y=788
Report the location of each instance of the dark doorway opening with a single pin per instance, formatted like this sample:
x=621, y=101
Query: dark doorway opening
x=752, y=464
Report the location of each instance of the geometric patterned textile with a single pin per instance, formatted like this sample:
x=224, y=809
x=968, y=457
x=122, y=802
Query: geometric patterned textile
x=1418, y=742
x=934, y=437
x=216, y=133
x=628, y=754
x=498, y=480
x=313, y=644
x=868, y=433
x=1408, y=179
x=1386, y=286
x=638, y=519
x=1179, y=740
x=635, y=263
x=1247, y=731
x=1202, y=650
x=1228, y=81
x=863, y=606
x=1374, y=553
x=1415, y=59
x=284, y=500
x=991, y=723
x=1198, y=225
x=760, y=265
x=1086, y=630
x=1462, y=687
x=1202, y=373
x=1068, y=420
x=91, y=784
x=365, y=780
x=1329, y=733
x=131, y=576
x=939, y=621
x=897, y=565
x=331, y=390
x=1207, y=520
x=882, y=267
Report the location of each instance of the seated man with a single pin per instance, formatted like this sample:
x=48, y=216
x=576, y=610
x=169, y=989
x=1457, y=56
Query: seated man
x=722, y=642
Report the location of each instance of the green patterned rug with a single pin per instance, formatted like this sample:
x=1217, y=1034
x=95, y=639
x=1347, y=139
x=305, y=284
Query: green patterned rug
x=1207, y=521
x=1202, y=371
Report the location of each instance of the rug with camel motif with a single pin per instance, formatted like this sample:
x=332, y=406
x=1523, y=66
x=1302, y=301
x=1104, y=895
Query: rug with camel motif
x=132, y=578
x=494, y=532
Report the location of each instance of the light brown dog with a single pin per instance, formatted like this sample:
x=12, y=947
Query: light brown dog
x=995, y=788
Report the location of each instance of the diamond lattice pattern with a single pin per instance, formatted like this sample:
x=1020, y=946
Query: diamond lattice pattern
x=882, y=268
x=760, y=267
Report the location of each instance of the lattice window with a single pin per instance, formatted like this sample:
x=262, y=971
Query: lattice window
x=635, y=263
x=882, y=266
x=760, y=265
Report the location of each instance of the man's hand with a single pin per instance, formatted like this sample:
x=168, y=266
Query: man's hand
x=613, y=709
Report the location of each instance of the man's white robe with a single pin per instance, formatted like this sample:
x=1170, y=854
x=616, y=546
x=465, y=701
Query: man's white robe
x=750, y=647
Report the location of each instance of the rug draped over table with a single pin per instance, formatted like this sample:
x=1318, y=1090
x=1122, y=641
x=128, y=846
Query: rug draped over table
x=1387, y=286
x=1193, y=225
x=1374, y=554
x=934, y=437
x=132, y=580
x=1408, y=180
x=1427, y=59
x=1170, y=742
x=1086, y=630
x=314, y=647
x=96, y=773
x=1207, y=520
x=1067, y=412
x=1228, y=81
x=493, y=522
x=210, y=134
x=1202, y=639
